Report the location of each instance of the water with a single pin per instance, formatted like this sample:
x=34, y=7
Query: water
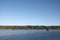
x=29, y=35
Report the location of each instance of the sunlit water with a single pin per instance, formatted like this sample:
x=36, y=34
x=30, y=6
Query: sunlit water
x=29, y=35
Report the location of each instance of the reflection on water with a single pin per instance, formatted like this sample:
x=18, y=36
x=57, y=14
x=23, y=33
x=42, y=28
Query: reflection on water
x=29, y=35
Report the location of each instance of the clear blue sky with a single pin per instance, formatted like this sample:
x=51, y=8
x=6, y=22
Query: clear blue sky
x=29, y=12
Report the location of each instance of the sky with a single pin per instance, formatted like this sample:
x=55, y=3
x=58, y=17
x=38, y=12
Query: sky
x=29, y=12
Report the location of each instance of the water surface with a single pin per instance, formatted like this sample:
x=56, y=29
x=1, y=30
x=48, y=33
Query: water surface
x=29, y=35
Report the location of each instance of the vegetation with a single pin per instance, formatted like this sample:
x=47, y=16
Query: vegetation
x=30, y=27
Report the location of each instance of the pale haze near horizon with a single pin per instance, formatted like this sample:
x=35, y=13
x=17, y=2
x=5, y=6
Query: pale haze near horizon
x=29, y=12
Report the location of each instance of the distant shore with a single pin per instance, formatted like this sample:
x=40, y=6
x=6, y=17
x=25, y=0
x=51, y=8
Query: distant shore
x=30, y=27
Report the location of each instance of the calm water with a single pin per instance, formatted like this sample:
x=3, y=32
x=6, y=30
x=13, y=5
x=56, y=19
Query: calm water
x=29, y=35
